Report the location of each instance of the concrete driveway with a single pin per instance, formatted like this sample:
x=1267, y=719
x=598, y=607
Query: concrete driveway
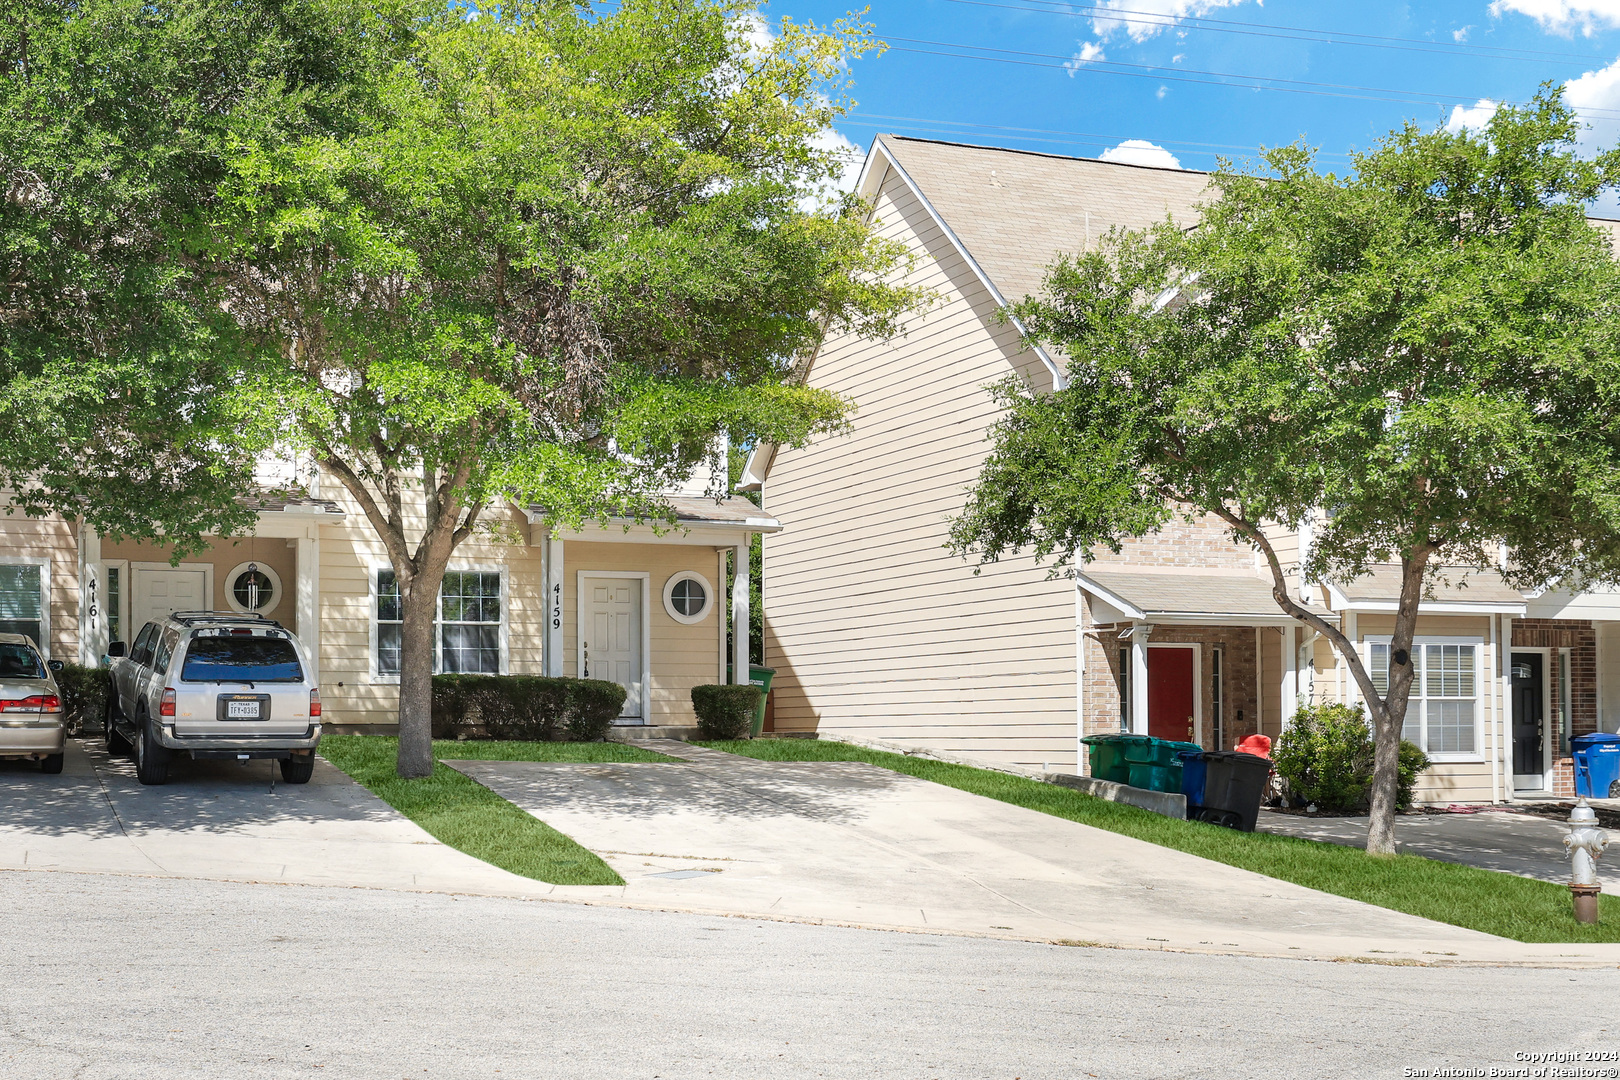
x=859, y=845
x=225, y=821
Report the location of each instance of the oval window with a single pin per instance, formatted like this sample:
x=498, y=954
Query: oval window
x=253, y=587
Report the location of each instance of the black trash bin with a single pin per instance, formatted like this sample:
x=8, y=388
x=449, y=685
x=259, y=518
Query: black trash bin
x=1234, y=783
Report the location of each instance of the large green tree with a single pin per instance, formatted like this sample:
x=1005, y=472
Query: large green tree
x=563, y=250
x=118, y=120
x=1422, y=357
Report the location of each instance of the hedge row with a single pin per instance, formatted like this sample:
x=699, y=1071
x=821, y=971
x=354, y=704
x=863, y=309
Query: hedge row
x=84, y=693
x=528, y=707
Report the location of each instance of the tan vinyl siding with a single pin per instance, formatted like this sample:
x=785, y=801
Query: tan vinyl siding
x=351, y=554
x=23, y=537
x=273, y=552
x=876, y=632
x=683, y=655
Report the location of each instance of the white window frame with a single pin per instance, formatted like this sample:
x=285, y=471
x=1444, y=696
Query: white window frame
x=1482, y=690
x=277, y=589
x=669, y=597
x=44, y=564
x=378, y=678
x=124, y=587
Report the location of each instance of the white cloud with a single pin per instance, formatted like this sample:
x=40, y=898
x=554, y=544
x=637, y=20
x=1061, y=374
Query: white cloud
x=1474, y=119
x=1141, y=19
x=1595, y=97
x=1163, y=90
x=1460, y=36
x=1564, y=16
x=1089, y=51
x=1141, y=152
x=1178, y=58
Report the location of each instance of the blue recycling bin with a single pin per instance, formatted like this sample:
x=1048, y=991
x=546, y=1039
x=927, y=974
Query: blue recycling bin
x=1194, y=769
x=1597, y=765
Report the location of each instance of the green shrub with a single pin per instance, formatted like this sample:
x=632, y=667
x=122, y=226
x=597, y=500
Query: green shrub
x=1412, y=762
x=527, y=708
x=1326, y=756
x=84, y=694
x=592, y=706
x=725, y=712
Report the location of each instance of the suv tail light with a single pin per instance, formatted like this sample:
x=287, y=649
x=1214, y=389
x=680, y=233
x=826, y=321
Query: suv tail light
x=314, y=702
x=37, y=703
x=166, y=706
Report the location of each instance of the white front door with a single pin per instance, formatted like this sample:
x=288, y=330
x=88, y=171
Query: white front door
x=610, y=639
x=158, y=593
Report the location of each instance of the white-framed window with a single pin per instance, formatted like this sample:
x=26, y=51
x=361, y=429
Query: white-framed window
x=1125, y=689
x=688, y=597
x=25, y=600
x=1443, y=710
x=469, y=627
x=253, y=587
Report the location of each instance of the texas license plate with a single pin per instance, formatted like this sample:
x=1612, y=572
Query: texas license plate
x=242, y=710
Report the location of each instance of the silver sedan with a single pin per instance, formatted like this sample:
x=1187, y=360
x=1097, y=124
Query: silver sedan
x=31, y=716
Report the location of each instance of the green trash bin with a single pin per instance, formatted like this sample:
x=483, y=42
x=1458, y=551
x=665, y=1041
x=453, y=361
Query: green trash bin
x=1154, y=763
x=760, y=677
x=1108, y=757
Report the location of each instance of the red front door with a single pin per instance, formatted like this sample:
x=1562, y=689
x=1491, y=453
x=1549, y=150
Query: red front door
x=1170, y=694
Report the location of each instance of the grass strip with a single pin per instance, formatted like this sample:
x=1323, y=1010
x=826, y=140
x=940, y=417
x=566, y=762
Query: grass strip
x=458, y=811
x=1495, y=903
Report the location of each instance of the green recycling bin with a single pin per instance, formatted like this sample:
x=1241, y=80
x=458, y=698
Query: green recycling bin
x=760, y=677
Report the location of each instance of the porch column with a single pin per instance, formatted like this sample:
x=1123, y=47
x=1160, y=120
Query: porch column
x=1139, y=677
x=552, y=643
x=739, y=615
x=93, y=623
x=309, y=597
x=1290, y=675
x=720, y=571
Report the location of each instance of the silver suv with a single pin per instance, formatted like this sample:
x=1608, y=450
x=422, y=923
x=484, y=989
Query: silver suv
x=214, y=684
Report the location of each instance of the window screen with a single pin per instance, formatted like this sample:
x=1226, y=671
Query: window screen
x=20, y=608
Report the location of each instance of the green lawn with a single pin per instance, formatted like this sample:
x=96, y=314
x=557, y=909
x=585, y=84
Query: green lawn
x=466, y=815
x=1502, y=904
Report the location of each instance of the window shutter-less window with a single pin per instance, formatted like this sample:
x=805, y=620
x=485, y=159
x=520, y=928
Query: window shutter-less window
x=20, y=611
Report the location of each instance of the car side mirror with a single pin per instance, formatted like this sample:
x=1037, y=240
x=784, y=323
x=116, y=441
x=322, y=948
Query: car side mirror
x=117, y=648
x=55, y=665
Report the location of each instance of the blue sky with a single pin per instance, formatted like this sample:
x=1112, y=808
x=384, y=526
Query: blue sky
x=1197, y=78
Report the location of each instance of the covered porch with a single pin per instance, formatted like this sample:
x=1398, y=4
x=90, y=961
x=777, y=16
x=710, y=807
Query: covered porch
x=1196, y=657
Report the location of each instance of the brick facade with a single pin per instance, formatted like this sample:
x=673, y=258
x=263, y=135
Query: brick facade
x=1239, y=701
x=1204, y=543
x=1579, y=636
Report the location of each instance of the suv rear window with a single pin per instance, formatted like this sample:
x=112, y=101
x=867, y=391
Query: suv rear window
x=241, y=659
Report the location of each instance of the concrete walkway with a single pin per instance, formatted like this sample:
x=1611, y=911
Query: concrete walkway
x=859, y=845
x=837, y=843
x=1523, y=844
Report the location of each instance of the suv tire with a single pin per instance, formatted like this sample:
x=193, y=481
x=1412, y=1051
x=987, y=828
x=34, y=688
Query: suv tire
x=298, y=768
x=151, y=758
x=51, y=764
x=117, y=745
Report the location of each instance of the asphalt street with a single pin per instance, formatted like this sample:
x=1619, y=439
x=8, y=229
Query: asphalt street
x=123, y=976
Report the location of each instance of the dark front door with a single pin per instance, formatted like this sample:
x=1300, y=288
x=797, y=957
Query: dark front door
x=1170, y=694
x=1529, y=721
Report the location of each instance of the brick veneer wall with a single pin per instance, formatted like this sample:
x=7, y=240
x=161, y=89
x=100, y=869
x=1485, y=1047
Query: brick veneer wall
x=1580, y=638
x=1203, y=543
x=1102, y=678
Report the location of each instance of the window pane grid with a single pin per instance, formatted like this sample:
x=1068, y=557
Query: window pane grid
x=467, y=633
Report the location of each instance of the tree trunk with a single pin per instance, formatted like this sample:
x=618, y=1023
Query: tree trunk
x=418, y=608
x=1390, y=716
x=1386, y=754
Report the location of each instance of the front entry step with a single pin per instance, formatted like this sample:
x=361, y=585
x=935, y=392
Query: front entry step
x=643, y=732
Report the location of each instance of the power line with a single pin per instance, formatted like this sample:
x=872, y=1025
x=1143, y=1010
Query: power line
x=1295, y=33
x=953, y=127
x=1217, y=78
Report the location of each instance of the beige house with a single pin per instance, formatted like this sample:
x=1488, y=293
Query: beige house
x=878, y=634
x=646, y=607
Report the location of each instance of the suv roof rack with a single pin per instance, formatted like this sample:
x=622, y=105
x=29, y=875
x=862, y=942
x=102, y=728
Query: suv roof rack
x=191, y=618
